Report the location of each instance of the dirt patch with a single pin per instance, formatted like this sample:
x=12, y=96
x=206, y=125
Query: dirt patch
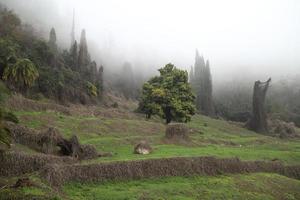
x=126, y=170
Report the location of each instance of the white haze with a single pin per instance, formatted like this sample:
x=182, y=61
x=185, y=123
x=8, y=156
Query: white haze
x=239, y=37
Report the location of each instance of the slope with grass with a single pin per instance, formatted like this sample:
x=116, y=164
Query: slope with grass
x=209, y=137
x=117, y=130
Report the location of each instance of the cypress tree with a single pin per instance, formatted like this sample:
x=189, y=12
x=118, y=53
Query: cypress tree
x=207, y=105
x=83, y=56
x=100, y=81
x=52, y=40
x=74, y=56
x=191, y=74
x=73, y=31
x=93, y=72
x=202, y=85
x=127, y=83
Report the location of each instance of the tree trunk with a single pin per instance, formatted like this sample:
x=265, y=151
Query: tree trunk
x=168, y=115
x=258, y=121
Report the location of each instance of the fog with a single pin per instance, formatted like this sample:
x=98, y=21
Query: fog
x=241, y=38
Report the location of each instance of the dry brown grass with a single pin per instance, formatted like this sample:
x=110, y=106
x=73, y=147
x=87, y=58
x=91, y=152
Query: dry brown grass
x=177, y=131
x=18, y=163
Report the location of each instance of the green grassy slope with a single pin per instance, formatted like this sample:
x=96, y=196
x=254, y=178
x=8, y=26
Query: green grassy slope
x=208, y=137
x=252, y=186
x=258, y=186
x=119, y=134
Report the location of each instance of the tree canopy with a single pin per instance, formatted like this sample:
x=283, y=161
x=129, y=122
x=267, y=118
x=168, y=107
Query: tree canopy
x=168, y=95
x=22, y=74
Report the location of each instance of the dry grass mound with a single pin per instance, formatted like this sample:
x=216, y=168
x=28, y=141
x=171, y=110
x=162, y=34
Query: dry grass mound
x=57, y=174
x=25, y=136
x=18, y=163
x=49, y=139
x=177, y=131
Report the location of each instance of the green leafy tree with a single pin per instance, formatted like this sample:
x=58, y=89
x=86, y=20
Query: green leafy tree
x=168, y=95
x=7, y=54
x=22, y=74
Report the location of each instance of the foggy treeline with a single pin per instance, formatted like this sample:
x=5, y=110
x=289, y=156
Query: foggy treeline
x=225, y=89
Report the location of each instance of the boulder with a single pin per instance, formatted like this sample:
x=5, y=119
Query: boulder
x=143, y=147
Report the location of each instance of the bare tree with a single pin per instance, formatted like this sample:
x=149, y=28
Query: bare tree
x=258, y=121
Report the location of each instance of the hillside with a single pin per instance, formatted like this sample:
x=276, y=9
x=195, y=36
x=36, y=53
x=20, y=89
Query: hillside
x=118, y=130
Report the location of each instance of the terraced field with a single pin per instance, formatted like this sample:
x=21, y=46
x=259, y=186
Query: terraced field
x=119, y=134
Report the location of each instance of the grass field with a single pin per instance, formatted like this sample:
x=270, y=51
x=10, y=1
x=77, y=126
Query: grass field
x=258, y=186
x=208, y=137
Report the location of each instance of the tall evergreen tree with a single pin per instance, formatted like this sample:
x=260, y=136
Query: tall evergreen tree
x=207, y=103
x=100, y=81
x=73, y=31
x=74, y=56
x=52, y=40
x=127, y=82
x=93, y=72
x=191, y=75
x=83, y=56
x=202, y=85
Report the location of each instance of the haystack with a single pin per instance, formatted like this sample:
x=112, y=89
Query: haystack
x=143, y=147
x=49, y=140
x=177, y=131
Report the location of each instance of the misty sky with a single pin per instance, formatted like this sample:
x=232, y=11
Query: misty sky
x=237, y=36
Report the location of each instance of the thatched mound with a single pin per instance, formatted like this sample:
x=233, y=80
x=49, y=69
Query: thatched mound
x=143, y=148
x=177, y=131
x=49, y=140
x=156, y=168
x=23, y=135
x=89, y=152
x=17, y=163
x=283, y=129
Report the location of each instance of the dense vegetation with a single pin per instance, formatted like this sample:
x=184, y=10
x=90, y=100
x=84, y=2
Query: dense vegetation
x=37, y=68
